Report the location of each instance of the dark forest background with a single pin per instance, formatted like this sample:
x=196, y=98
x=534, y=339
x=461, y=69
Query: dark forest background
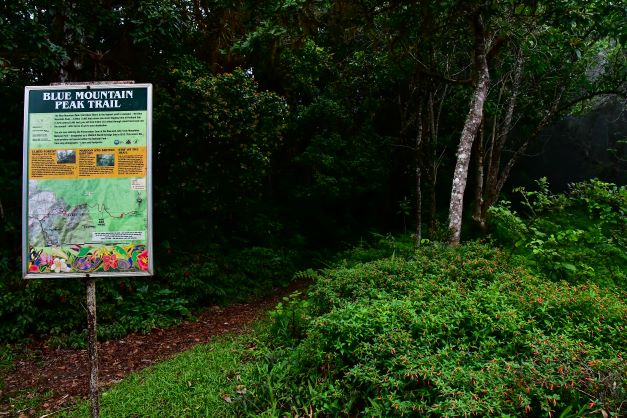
x=287, y=130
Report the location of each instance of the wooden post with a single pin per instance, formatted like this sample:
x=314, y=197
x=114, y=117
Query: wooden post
x=92, y=347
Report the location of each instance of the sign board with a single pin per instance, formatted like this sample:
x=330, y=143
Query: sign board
x=87, y=207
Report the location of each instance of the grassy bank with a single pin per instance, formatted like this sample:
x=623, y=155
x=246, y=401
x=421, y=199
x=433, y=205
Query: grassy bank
x=200, y=382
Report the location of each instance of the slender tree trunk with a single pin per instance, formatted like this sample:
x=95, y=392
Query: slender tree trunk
x=471, y=127
x=433, y=212
x=477, y=215
x=418, y=178
x=434, y=126
x=521, y=150
x=498, y=142
x=418, y=207
x=493, y=139
x=433, y=169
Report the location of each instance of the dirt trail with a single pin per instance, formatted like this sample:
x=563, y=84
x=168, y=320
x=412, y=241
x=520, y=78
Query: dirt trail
x=63, y=373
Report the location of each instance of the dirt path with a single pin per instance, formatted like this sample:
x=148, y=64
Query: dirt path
x=63, y=373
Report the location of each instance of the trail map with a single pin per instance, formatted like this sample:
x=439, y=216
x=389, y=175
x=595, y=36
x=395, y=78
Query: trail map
x=66, y=212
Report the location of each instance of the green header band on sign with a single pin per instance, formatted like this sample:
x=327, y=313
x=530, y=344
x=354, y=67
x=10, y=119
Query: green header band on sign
x=87, y=100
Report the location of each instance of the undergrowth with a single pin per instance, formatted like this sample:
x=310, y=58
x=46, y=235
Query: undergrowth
x=445, y=332
x=536, y=328
x=54, y=309
x=579, y=236
x=438, y=331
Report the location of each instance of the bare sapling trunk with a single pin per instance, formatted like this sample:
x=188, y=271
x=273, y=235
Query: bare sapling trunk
x=471, y=127
x=479, y=162
x=418, y=178
x=498, y=142
x=536, y=132
x=92, y=345
x=434, y=126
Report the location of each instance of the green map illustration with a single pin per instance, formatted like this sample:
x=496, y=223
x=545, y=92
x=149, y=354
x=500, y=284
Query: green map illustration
x=67, y=212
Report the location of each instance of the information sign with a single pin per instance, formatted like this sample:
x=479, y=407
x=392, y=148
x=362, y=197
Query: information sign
x=87, y=207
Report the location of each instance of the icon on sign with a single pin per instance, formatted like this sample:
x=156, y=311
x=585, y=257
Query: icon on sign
x=116, y=142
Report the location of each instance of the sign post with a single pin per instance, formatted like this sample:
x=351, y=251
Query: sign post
x=92, y=347
x=87, y=201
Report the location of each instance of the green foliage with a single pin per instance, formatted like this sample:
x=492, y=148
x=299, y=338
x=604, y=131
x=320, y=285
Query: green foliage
x=289, y=318
x=224, y=130
x=54, y=309
x=447, y=332
x=376, y=247
x=185, y=284
x=215, y=278
x=17, y=299
x=339, y=186
x=579, y=236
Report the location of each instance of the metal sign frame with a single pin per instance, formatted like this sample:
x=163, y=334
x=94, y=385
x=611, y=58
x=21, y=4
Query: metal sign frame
x=148, y=179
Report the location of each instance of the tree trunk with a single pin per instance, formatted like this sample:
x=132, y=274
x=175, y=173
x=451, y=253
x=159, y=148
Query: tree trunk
x=477, y=215
x=521, y=150
x=434, y=126
x=498, y=141
x=418, y=178
x=471, y=127
x=432, y=174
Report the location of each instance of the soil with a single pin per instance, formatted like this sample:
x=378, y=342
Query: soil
x=60, y=376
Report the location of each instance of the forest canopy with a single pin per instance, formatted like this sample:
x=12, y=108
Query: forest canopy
x=282, y=127
x=315, y=120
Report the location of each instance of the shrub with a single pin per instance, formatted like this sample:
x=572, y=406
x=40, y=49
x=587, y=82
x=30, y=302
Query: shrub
x=378, y=246
x=579, y=236
x=449, y=332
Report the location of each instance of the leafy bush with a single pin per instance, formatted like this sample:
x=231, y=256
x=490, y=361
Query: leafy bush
x=219, y=278
x=224, y=130
x=54, y=309
x=447, y=332
x=579, y=236
x=376, y=247
x=289, y=319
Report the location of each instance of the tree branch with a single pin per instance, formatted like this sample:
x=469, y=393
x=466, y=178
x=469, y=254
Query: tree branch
x=591, y=95
x=427, y=71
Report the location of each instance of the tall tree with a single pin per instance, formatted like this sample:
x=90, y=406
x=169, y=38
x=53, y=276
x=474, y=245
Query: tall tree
x=562, y=58
x=471, y=127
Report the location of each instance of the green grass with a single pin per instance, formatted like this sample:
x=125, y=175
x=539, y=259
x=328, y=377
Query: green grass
x=192, y=384
x=6, y=365
x=6, y=362
x=25, y=401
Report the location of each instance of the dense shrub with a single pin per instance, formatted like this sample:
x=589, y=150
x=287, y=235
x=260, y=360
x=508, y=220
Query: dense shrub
x=374, y=247
x=447, y=332
x=579, y=236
